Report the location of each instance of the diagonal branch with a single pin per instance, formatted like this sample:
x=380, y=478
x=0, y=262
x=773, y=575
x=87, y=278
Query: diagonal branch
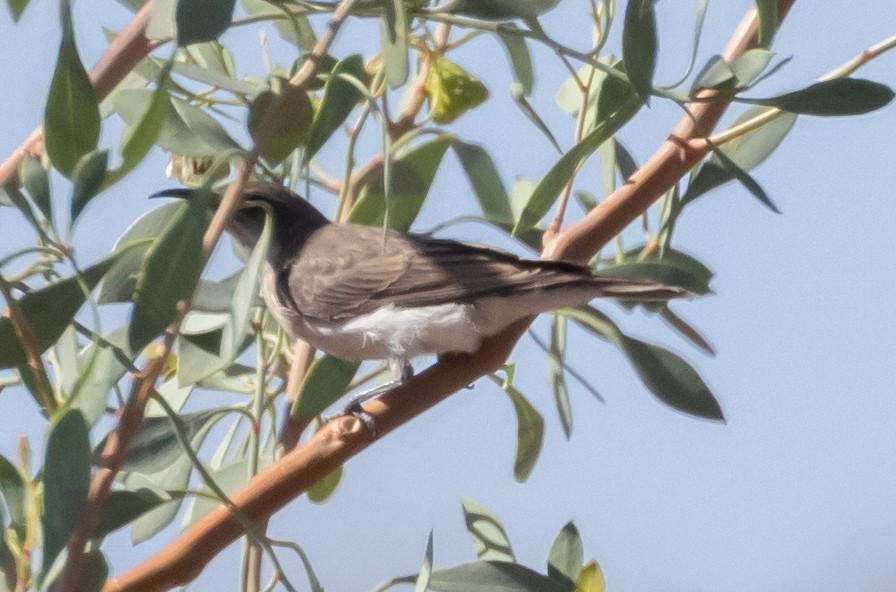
x=183, y=559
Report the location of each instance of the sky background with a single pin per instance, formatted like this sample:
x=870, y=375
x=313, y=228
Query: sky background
x=795, y=492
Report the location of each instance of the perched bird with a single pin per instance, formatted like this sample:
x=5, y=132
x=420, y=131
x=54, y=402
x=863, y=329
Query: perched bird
x=359, y=293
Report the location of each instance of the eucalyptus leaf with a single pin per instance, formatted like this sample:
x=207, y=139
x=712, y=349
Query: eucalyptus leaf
x=36, y=182
x=156, y=445
x=169, y=272
x=394, y=29
x=325, y=487
x=66, y=479
x=123, y=506
x=120, y=283
x=530, y=434
x=499, y=9
x=202, y=20
x=566, y=557
x=280, y=121
x=839, y=96
x=16, y=8
x=494, y=576
x=746, y=152
x=49, y=310
x=87, y=180
x=768, y=21
x=412, y=176
x=340, y=97
x=175, y=477
x=549, y=188
x=230, y=477
x=671, y=268
x=422, y=583
x=72, y=116
x=489, y=539
x=101, y=370
x=639, y=45
x=557, y=372
x=12, y=491
x=326, y=380
x=664, y=373
x=486, y=183
x=520, y=60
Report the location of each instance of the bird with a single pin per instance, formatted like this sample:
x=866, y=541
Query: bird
x=366, y=293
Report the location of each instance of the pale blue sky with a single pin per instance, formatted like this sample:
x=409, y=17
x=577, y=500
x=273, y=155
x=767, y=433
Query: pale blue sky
x=794, y=493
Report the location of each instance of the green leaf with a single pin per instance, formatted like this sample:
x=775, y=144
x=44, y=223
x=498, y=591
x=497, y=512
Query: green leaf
x=72, y=116
x=340, y=97
x=499, y=9
x=202, y=20
x=187, y=129
x=520, y=60
x=557, y=372
x=664, y=373
x=66, y=479
x=451, y=90
x=639, y=45
x=139, y=137
x=549, y=188
x=394, y=28
x=37, y=182
x=768, y=21
x=12, y=491
x=230, y=478
x=750, y=65
x=124, y=506
x=16, y=8
x=412, y=176
x=279, y=122
x=840, y=96
x=324, y=488
x=87, y=180
x=747, y=151
x=176, y=477
x=233, y=339
x=489, y=539
x=325, y=382
x=566, y=557
x=746, y=180
x=156, y=445
x=169, y=272
x=94, y=572
x=529, y=434
x=486, y=183
x=295, y=28
x=422, y=583
x=120, y=283
x=100, y=370
x=493, y=576
x=672, y=268
x=49, y=311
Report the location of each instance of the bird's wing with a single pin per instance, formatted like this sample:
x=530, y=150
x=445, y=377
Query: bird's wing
x=335, y=279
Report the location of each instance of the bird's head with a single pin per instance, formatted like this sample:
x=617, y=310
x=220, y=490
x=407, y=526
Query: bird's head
x=294, y=218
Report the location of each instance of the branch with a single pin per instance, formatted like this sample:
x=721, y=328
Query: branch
x=184, y=558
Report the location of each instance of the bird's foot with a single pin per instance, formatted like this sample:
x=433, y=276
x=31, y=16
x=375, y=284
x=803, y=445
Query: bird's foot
x=354, y=404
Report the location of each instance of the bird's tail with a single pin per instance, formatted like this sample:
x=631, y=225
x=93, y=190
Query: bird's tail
x=633, y=289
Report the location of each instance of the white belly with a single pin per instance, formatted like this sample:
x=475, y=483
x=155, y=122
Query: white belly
x=388, y=333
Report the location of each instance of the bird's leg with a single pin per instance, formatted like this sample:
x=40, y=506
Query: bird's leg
x=402, y=371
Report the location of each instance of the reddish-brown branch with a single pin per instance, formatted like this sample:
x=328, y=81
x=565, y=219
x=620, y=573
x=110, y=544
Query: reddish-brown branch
x=183, y=559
